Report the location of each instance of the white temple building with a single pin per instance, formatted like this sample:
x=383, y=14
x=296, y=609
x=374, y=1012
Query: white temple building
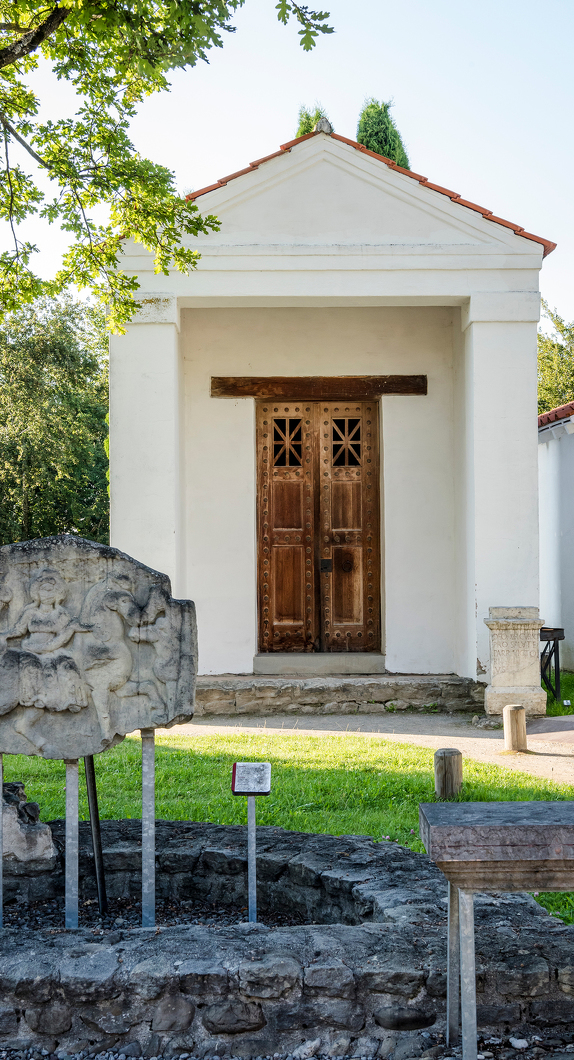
x=326, y=435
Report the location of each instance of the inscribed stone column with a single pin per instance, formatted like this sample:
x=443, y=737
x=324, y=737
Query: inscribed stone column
x=514, y=660
x=501, y=443
x=145, y=438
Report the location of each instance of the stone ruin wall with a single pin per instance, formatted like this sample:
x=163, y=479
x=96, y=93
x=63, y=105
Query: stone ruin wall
x=368, y=967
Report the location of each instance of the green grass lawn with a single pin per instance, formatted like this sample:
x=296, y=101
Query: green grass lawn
x=346, y=784
x=567, y=692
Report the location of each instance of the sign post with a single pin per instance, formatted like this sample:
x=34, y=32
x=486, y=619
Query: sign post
x=251, y=779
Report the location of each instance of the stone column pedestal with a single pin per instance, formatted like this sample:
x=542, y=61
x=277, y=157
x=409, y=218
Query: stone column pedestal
x=514, y=660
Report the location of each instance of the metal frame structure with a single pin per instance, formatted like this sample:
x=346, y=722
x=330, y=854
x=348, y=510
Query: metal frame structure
x=551, y=637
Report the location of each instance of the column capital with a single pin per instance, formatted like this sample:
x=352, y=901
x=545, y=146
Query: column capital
x=157, y=307
x=501, y=307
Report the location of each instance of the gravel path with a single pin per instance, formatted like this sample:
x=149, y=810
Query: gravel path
x=552, y=757
x=555, y=1045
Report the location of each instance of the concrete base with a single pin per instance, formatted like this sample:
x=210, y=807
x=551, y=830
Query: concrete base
x=532, y=699
x=319, y=664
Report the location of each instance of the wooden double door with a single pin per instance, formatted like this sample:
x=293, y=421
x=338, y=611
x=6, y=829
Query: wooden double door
x=318, y=526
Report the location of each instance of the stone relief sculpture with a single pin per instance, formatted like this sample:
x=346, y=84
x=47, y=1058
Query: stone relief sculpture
x=92, y=646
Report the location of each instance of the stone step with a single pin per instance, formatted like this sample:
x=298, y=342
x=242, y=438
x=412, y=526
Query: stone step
x=342, y=694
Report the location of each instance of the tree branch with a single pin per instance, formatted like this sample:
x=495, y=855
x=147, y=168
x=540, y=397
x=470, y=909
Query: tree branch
x=11, y=209
x=13, y=132
x=33, y=38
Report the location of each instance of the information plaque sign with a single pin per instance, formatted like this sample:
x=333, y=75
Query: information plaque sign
x=251, y=778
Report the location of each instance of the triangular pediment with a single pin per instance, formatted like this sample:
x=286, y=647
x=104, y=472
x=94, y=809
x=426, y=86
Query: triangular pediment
x=323, y=192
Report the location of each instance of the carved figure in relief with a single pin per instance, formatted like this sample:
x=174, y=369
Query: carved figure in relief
x=107, y=659
x=46, y=676
x=161, y=626
x=92, y=646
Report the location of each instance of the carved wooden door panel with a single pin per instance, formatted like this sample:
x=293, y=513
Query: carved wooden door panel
x=318, y=526
x=288, y=589
x=350, y=534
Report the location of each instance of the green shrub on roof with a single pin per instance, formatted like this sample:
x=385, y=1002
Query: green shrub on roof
x=377, y=131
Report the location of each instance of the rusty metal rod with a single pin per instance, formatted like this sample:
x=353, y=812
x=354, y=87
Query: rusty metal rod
x=96, y=833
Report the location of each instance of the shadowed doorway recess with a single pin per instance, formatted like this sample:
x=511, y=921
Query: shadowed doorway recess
x=318, y=526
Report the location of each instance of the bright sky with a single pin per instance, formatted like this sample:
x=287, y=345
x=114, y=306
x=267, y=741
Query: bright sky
x=484, y=98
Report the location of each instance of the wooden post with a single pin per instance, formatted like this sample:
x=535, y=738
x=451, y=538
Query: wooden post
x=514, y=727
x=447, y=772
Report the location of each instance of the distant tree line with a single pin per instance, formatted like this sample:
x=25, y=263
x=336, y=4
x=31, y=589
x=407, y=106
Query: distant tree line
x=555, y=363
x=53, y=421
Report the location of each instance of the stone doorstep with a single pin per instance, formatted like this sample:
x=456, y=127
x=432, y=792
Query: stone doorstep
x=343, y=694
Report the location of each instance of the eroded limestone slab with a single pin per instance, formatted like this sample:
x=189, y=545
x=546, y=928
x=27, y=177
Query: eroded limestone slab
x=92, y=647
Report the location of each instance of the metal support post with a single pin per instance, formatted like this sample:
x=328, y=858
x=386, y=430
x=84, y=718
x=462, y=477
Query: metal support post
x=96, y=833
x=71, y=883
x=148, y=828
x=1, y=840
x=251, y=860
x=467, y=975
x=453, y=969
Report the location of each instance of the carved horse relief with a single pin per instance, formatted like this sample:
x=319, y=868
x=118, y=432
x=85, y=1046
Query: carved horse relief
x=92, y=646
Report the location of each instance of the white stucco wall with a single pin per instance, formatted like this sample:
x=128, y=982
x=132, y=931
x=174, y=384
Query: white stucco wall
x=417, y=468
x=330, y=262
x=556, y=471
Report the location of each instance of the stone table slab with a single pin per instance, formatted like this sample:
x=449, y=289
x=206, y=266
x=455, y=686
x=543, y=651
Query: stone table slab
x=501, y=846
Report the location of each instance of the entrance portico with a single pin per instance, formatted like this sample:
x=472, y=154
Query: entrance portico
x=333, y=264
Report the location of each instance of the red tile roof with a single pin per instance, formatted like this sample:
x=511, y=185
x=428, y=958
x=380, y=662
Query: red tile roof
x=453, y=195
x=562, y=412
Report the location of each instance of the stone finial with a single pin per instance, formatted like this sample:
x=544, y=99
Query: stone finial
x=324, y=125
x=92, y=646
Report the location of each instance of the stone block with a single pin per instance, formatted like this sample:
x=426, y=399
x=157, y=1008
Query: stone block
x=202, y=977
x=339, y=1047
x=172, y=1013
x=394, y=977
x=401, y=1018
x=365, y=1047
x=436, y=981
x=90, y=974
x=271, y=977
x=26, y=838
x=226, y=862
x=233, y=1017
x=565, y=976
x=409, y=1047
x=52, y=1018
x=8, y=1021
x=340, y=1014
x=28, y=979
x=332, y=980
x=514, y=660
x=307, y=1049
x=497, y=1015
x=553, y=1010
x=150, y=977
x=532, y=699
x=523, y=976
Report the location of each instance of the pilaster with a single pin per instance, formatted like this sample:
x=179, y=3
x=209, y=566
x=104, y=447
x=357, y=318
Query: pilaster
x=501, y=460
x=145, y=438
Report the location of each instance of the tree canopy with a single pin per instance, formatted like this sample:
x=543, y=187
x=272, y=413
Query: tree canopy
x=377, y=131
x=115, y=54
x=308, y=118
x=555, y=363
x=53, y=409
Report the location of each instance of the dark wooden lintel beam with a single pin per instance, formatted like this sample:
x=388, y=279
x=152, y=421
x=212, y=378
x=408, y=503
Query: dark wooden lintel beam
x=322, y=388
